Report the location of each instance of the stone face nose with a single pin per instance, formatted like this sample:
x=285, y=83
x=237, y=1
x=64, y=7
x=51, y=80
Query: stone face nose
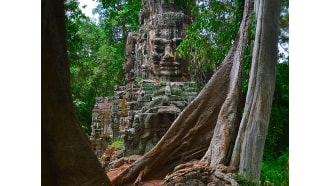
x=168, y=54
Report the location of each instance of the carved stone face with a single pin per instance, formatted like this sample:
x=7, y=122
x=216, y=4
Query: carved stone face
x=159, y=36
x=163, y=47
x=164, y=40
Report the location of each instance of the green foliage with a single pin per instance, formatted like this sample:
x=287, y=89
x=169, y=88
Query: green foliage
x=242, y=181
x=96, y=70
x=248, y=52
x=276, y=172
x=119, y=144
x=96, y=62
x=118, y=18
x=82, y=111
x=278, y=131
x=210, y=37
x=273, y=172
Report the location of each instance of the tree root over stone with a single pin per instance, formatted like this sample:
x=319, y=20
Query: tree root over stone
x=194, y=173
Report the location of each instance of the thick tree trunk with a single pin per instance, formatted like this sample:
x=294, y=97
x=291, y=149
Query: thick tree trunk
x=66, y=155
x=224, y=136
x=249, y=147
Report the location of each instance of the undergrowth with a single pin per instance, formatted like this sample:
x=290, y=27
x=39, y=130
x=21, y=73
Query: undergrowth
x=276, y=172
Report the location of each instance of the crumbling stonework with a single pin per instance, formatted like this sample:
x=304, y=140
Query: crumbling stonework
x=158, y=82
x=101, y=127
x=152, y=108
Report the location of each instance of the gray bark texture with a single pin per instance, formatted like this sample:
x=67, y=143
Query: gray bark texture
x=66, y=155
x=249, y=145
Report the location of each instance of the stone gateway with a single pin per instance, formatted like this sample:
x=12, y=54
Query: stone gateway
x=158, y=83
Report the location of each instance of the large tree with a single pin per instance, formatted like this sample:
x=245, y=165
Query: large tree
x=212, y=127
x=66, y=155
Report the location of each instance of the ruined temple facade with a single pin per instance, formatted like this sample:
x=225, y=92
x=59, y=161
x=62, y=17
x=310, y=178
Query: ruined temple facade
x=158, y=82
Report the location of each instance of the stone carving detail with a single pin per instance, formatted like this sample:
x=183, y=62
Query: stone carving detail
x=150, y=52
x=152, y=108
x=158, y=82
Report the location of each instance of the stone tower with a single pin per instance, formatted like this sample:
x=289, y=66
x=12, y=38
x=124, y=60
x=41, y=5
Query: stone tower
x=158, y=82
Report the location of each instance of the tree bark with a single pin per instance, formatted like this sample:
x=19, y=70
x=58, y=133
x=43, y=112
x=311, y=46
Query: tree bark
x=66, y=155
x=249, y=147
x=226, y=127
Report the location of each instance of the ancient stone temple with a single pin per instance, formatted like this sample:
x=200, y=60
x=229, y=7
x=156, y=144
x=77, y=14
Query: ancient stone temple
x=158, y=82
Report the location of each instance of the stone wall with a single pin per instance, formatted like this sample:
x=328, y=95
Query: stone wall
x=152, y=107
x=101, y=126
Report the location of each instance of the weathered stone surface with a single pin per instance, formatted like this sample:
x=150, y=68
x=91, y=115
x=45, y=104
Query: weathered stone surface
x=151, y=55
x=158, y=82
x=154, y=113
x=101, y=128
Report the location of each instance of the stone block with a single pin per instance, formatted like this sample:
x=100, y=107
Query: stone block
x=180, y=104
x=146, y=99
x=159, y=92
x=175, y=98
x=147, y=88
x=185, y=94
x=148, y=84
x=132, y=106
x=157, y=86
x=175, y=91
